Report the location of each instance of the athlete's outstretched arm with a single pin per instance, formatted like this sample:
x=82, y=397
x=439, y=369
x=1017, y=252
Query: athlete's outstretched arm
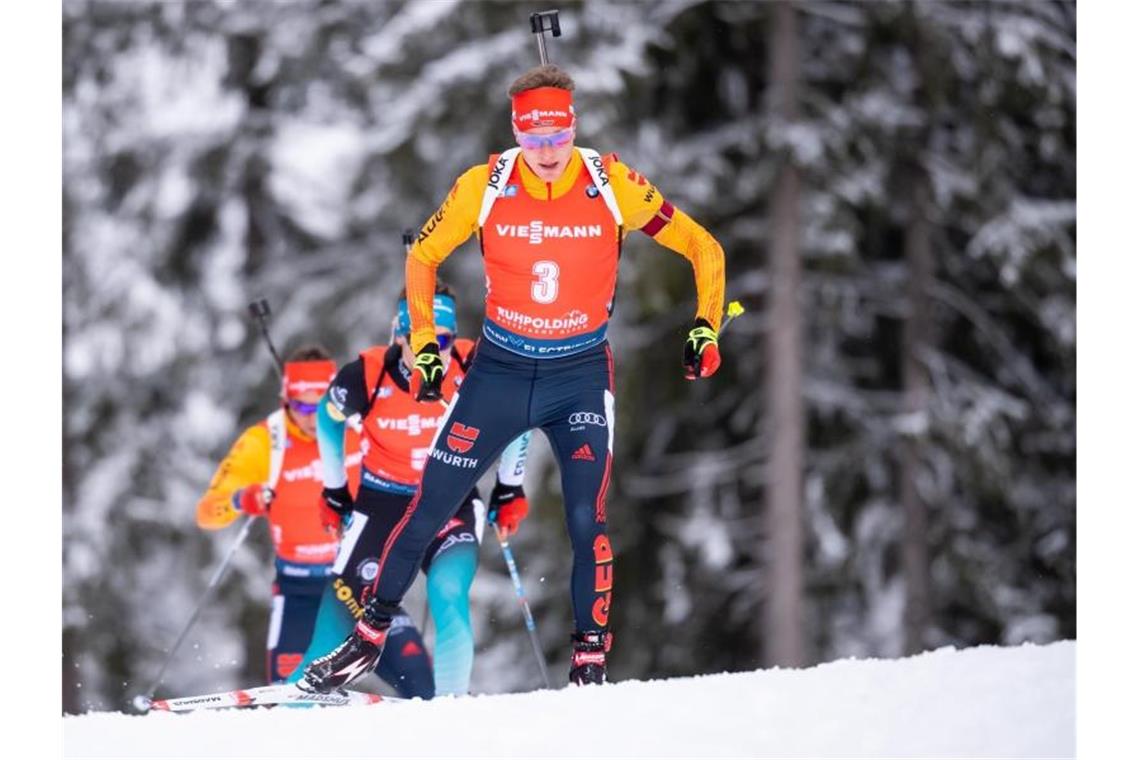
x=644, y=208
x=447, y=229
x=247, y=463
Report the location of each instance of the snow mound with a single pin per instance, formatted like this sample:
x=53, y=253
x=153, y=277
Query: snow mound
x=1009, y=702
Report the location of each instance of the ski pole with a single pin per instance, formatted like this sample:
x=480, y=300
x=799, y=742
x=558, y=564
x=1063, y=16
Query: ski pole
x=734, y=311
x=538, y=26
x=259, y=309
x=142, y=701
x=530, y=626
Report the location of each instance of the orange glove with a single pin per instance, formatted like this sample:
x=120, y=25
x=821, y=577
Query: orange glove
x=254, y=500
x=508, y=508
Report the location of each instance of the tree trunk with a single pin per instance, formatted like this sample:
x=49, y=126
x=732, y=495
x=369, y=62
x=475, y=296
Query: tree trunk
x=916, y=392
x=783, y=635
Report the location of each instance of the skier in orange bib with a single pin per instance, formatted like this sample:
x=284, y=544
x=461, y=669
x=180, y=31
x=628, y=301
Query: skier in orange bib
x=551, y=218
x=273, y=470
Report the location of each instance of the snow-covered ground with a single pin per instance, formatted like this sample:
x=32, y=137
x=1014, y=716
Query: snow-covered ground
x=1012, y=702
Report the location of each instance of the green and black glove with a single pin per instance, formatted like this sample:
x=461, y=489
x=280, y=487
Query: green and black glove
x=427, y=374
x=702, y=354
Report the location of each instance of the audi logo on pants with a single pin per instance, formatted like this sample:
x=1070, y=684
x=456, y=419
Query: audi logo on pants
x=587, y=418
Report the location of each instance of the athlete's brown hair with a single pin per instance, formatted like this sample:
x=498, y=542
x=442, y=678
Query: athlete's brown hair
x=542, y=76
x=309, y=353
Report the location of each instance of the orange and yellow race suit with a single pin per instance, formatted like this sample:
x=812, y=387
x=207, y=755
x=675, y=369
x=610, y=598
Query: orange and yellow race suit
x=551, y=287
x=295, y=525
x=551, y=259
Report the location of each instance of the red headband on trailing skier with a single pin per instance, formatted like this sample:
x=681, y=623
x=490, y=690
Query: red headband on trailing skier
x=303, y=377
x=542, y=107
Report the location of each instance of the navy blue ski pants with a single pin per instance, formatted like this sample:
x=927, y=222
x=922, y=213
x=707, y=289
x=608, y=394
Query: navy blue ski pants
x=291, y=621
x=503, y=395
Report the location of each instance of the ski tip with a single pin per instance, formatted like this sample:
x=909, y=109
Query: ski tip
x=161, y=705
x=141, y=703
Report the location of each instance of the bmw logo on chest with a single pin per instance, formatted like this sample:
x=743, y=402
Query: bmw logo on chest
x=591, y=191
x=510, y=191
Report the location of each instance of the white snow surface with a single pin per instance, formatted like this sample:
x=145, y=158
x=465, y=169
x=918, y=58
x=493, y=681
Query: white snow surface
x=1007, y=702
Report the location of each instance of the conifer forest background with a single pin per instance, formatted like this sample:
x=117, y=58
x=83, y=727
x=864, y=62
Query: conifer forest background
x=884, y=464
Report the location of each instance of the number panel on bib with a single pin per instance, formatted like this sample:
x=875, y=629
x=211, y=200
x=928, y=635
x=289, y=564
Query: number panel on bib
x=545, y=288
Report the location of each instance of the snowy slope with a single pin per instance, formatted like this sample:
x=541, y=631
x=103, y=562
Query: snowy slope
x=981, y=702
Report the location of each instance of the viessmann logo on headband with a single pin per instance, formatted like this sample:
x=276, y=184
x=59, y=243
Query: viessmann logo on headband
x=304, y=386
x=542, y=107
x=545, y=118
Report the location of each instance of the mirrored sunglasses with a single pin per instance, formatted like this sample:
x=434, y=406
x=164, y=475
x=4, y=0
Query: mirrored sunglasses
x=535, y=142
x=300, y=407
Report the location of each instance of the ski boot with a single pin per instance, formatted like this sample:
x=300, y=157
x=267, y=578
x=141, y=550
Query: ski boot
x=357, y=654
x=588, y=663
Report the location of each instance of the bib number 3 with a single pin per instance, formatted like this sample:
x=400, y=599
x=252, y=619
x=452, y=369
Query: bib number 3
x=545, y=288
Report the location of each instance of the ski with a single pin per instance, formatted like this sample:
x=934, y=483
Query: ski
x=259, y=696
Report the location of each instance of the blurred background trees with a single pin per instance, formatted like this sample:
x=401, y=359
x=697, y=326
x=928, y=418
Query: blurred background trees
x=884, y=464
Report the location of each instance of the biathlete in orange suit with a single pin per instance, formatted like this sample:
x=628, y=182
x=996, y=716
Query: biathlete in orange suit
x=274, y=470
x=550, y=219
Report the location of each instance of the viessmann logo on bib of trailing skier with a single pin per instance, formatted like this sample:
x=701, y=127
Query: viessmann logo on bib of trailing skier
x=413, y=424
x=312, y=470
x=537, y=231
x=572, y=320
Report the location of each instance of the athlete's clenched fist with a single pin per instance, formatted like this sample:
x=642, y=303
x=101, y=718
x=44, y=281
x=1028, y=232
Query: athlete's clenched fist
x=702, y=354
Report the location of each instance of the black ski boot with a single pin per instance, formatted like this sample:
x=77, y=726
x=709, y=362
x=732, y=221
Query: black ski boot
x=356, y=656
x=588, y=663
